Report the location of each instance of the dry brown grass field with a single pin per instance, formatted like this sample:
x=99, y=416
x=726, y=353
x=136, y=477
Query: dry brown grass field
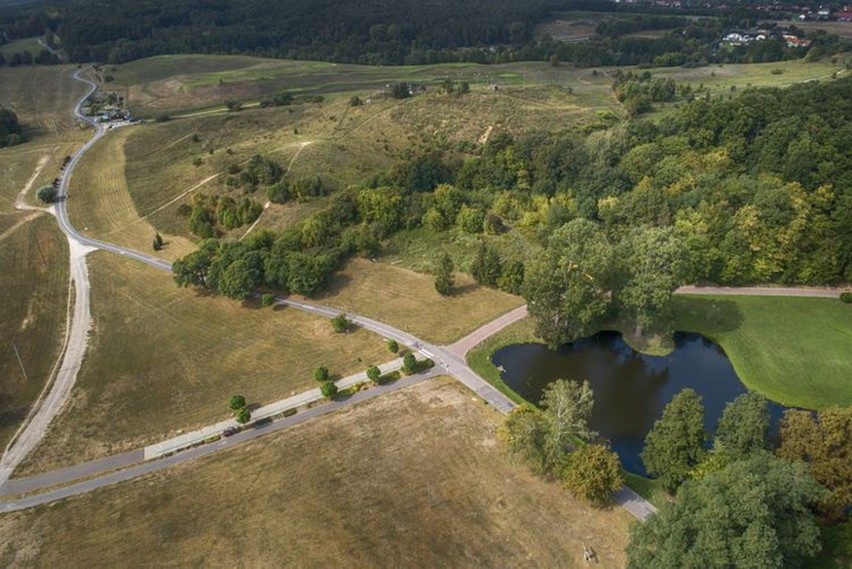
x=409, y=301
x=163, y=358
x=34, y=281
x=415, y=478
x=100, y=206
x=33, y=252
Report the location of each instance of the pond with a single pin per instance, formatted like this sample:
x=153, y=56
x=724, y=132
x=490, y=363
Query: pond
x=631, y=389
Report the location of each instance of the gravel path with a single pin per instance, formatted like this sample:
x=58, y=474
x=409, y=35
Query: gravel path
x=811, y=292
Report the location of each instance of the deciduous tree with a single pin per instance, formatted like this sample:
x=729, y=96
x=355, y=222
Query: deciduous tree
x=824, y=442
x=754, y=513
x=592, y=473
x=567, y=407
x=523, y=433
x=328, y=389
x=568, y=286
x=243, y=415
x=237, y=402
x=675, y=444
x=744, y=426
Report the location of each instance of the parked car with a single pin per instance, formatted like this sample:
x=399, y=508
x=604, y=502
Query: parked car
x=230, y=431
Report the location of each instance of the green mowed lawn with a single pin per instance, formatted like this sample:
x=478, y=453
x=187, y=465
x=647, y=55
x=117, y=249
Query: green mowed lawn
x=797, y=351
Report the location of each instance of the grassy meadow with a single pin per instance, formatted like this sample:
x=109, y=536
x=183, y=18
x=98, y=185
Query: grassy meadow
x=413, y=478
x=163, y=358
x=99, y=204
x=408, y=300
x=34, y=281
x=797, y=351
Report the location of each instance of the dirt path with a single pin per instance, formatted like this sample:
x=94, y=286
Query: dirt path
x=812, y=292
x=21, y=201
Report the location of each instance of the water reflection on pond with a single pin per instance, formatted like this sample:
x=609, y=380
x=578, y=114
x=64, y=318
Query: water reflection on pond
x=631, y=389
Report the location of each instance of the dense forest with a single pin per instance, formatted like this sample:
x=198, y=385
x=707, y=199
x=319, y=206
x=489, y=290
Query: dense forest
x=751, y=190
x=379, y=32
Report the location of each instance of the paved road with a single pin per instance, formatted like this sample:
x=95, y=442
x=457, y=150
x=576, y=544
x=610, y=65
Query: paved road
x=463, y=346
x=204, y=450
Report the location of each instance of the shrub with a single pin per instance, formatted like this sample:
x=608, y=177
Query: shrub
x=243, y=416
x=47, y=194
x=846, y=297
x=237, y=402
x=162, y=118
x=409, y=364
x=340, y=323
x=373, y=373
x=328, y=389
x=321, y=374
x=393, y=346
x=267, y=299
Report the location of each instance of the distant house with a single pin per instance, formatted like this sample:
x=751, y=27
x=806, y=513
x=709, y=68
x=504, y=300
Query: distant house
x=794, y=41
x=844, y=16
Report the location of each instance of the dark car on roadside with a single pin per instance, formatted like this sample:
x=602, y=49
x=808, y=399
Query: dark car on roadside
x=230, y=431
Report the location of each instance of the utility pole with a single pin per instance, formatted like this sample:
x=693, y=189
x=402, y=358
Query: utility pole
x=20, y=363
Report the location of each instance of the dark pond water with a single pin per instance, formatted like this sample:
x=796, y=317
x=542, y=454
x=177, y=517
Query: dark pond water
x=631, y=389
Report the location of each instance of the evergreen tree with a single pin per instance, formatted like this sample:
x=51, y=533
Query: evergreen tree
x=444, y=280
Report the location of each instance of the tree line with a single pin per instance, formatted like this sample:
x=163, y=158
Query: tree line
x=382, y=33
x=739, y=502
x=742, y=502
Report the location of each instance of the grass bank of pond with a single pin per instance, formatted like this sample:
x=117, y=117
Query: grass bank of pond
x=796, y=351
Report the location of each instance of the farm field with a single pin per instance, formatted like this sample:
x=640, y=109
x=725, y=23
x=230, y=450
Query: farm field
x=408, y=300
x=163, y=358
x=34, y=281
x=410, y=479
x=797, y=351
x=43, y=97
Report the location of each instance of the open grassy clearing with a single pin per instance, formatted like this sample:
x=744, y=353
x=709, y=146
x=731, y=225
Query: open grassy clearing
x=409, y=301
x=797, y=351
x=34, y=281
x=100, y=206
x=842, y=29
x=413, y=479
x=720, y=78
x=163, y=358
x=42, y=96
x=206, y=81
x=19, y=46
